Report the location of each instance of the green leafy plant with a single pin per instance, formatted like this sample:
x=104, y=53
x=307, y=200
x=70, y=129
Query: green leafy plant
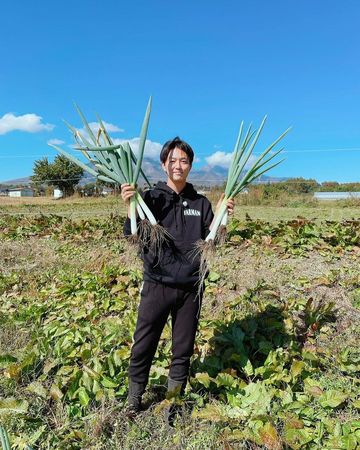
x=256, y=380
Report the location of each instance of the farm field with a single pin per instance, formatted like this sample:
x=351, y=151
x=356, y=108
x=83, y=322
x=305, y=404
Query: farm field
x=91, y=207
x=276, y=363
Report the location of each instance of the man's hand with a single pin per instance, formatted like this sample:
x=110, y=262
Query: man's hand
x=230, y=204
x=127, y=191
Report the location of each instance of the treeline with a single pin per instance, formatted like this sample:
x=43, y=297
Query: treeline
x=339, y=187
x=300, y=186
x=293, y=192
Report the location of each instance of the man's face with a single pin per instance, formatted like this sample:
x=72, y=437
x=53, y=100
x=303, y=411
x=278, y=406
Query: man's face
x=177, y=165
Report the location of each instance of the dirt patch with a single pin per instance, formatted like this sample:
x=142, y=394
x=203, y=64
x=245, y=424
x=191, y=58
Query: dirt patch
x=33, y=254
x=242, y=268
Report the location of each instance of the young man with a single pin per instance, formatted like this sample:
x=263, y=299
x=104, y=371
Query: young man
x=170, y=280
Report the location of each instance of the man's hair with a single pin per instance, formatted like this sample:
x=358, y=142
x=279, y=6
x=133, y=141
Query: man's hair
x=176, y=143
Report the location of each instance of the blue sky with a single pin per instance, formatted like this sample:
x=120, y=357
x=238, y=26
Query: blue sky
x=207, y=64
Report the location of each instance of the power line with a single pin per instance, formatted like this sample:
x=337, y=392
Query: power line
x=339, y=150
x=214, y=180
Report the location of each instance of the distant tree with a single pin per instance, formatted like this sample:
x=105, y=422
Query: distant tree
x=87, y=190
x=301, y=185
x=334, y=186
x=291, y=186
x=42, y=174
x=62, y=174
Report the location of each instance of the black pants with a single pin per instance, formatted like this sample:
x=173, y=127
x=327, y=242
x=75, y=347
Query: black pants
x=157, y=302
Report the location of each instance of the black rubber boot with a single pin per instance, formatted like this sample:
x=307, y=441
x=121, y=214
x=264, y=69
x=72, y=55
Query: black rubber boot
x=175, y=390
x=135, y=393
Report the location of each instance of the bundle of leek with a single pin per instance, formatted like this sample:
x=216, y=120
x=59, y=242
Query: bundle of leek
x=239, y=177
x=4, y=439
x=117, y=164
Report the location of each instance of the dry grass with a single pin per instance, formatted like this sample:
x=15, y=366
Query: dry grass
x=12, y=338
x=77, y=207
x=34, y=255
x=71, y=207
x=243, y=268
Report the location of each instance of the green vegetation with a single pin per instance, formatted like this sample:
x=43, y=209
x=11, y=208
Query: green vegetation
x=296, y=192
x=276, y=362
x=61, y=173
x=286, y=208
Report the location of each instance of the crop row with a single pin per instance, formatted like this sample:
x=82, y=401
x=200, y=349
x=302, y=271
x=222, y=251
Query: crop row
x=295, y=237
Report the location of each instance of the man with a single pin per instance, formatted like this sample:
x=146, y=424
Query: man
x=170, y=279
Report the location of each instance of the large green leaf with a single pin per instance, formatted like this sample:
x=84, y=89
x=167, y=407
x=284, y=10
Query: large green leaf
x=83, y=396
x=204, y=379
x=332, y=398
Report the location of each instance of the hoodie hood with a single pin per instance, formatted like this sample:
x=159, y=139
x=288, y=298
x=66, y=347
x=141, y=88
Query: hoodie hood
x=187, y=192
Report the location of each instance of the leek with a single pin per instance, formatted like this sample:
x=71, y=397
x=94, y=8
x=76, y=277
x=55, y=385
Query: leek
x=117, y=164
x=4, y=439
x=238, y=179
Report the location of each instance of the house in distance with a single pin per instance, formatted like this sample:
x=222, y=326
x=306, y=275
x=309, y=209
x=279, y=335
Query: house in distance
x=21, y=192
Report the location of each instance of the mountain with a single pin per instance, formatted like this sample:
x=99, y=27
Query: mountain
x=18, y=181
x=206, y=176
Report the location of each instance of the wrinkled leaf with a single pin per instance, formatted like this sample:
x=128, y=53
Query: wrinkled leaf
x=270, y=437
x=55, y=393
x=83, y=396
x=332, y=398
x=204, y=379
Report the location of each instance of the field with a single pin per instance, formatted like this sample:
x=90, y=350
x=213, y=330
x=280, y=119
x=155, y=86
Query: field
x=276, y=363
x=78, y=208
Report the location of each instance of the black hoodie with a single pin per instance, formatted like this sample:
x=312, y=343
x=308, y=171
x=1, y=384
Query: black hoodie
x=187, y=217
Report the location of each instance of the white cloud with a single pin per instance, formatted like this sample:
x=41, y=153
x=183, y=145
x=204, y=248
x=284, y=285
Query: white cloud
x=94, y=126
x=30, y=123
x=55, y=141
x=223, y=159
x=220, y=159
x=110, y=127
x=152, y=149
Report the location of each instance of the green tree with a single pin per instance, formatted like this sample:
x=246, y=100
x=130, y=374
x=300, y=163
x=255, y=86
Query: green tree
x=62, y=174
